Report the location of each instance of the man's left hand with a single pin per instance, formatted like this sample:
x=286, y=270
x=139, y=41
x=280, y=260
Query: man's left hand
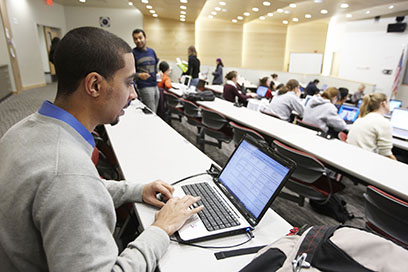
x=150, y=191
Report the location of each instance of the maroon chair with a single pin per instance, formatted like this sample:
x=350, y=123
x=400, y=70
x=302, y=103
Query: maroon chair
x=215, y=125
x=239, y=132
x=193, y=114
x=309, y=126
x=271, y=114
x=174, y=107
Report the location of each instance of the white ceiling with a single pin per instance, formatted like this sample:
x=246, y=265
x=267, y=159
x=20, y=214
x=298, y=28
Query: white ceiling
x=357, y=9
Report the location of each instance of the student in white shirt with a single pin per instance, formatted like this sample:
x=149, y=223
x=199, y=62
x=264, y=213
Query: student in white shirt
x=286, y=101
x=371, y=131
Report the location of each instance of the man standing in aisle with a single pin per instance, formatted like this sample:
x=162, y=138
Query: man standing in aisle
x=146, y=70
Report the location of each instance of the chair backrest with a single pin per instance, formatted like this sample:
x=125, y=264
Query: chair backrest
x=270, y=114
x=308, y=168
x=190, y=108
x=309, y=125
x=239, y=132
x=172, y=100
x=213, y=119
x=342, y=136
x=387, y=214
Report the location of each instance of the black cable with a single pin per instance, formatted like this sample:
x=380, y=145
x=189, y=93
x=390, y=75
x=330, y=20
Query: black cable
x=249, y=233
x=189, y=177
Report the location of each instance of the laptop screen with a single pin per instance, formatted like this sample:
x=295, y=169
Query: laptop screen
x=395, y=104
x=349, y=113
x=399, y=119
x=360, y=101
x=261, y=91
x=254, y=186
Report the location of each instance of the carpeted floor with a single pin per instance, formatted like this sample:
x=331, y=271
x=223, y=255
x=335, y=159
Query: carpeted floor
x=18, y=106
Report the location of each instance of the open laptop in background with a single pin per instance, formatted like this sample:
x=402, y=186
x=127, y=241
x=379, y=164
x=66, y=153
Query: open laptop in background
x=394, y=104
x=349, y=113
x=399, y=123
x=237, y=199
x=261, y=91
x=307, y=99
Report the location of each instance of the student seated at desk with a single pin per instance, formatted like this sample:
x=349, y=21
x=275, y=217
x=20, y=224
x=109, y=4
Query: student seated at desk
x=231, y=92
x=286, y=101
x=343, y=94
x=165, y=82
x=371, y=131
x=265, y=82
x=358, y=95
x=311, y=88
x=320, y=110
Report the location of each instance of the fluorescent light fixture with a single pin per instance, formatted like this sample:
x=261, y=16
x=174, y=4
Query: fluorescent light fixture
x=240, y=18
x=155, y=15
x=145, y=1
x=182, y=19
x=292, y=5
x=222, y=3
x=344, y=5
x=217, y=8
x=247, y=13
x=270, y=14
x=348, y=15
x=308, y=16
x=183, y=12
x=262, y=18
x=234, y=21
x=213, y=13
x=255, y=9
x=183, y=1
x=152, y=11
x=295, y=19
x=82, y=1
x=318, y=1
x=183, y=7
x=285, y=22
x=368, y=12
x=182, y=16
x=324, y=11
x=266, y=3
x=210, y=16
x=287, y=11
x=391, y=7
x=224, y=10
x=130, y=3
x=149, y=7
x=279, y=10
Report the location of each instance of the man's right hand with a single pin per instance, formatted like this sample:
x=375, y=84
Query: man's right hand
x=175, y=213
x=143, y=76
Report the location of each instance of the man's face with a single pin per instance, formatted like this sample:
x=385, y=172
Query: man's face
x=119, y=91
x=140, y=40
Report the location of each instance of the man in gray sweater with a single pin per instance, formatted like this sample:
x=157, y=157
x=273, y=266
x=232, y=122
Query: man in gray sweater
x=56, y=213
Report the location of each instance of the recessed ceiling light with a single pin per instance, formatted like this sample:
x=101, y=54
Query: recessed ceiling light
x=82, y=1
x=348, y=15
x=182, y=19
x=130, y=3
x=222, y=3
x=234, y=20
x=255, y=9
x=262, y=18
x=270, y=14
x=210, y=16
x=318, y=1
x=183, y=1
x=285, y=22
x=183, y=12
x=287, y=11
x=213, y=13
x=324, y=11
x=149, y=7
x=344, y=5
x=308, y=16
x=224, y=10
x=183, y=7
x=155, y=15
x=266, y=3
x=240, y=18
x=217, y=8
x=293, y=5
x=279, y=10
x=391, y=7
x=145, y=1
x=295, y=19
x=247, y=13
x=152, y=11
x=368, y=12
x=182, y=16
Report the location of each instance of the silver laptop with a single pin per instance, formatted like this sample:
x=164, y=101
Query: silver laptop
x=399, y=122
x=236, y=200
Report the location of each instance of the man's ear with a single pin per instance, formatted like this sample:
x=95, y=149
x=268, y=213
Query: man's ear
x=93, y=84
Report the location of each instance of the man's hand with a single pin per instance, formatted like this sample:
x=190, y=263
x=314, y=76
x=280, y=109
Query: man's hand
x=152, y=189
x=175, y=213
x=143, y=76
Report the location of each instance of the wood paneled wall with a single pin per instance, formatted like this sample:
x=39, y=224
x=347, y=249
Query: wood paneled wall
x=219, y=39
x=306, y=38
x=169, y=38
x=264, y=45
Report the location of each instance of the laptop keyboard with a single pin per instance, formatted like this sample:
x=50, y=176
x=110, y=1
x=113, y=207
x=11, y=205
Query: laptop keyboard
x=215, y=215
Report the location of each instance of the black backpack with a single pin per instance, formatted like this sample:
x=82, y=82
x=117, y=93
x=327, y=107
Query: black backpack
x=200, y=96
x=334, y=208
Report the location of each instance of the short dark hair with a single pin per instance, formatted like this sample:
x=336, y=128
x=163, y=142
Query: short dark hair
x=343, y=92
x=316, y=81
x=274, y=75
x=84, y=50
x=231, y=75
x=164, y=66
x=137, y=31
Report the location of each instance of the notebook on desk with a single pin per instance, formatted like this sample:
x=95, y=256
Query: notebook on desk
x=349, y=113
x=399, y=123
x=237, y=199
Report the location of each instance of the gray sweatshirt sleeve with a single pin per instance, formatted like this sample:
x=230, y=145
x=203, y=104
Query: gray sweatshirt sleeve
x=298, y=106
x=124, y=191
x=334, y=120
x=76, y=219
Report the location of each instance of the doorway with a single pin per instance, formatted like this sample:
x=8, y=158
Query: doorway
x=46, y=34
